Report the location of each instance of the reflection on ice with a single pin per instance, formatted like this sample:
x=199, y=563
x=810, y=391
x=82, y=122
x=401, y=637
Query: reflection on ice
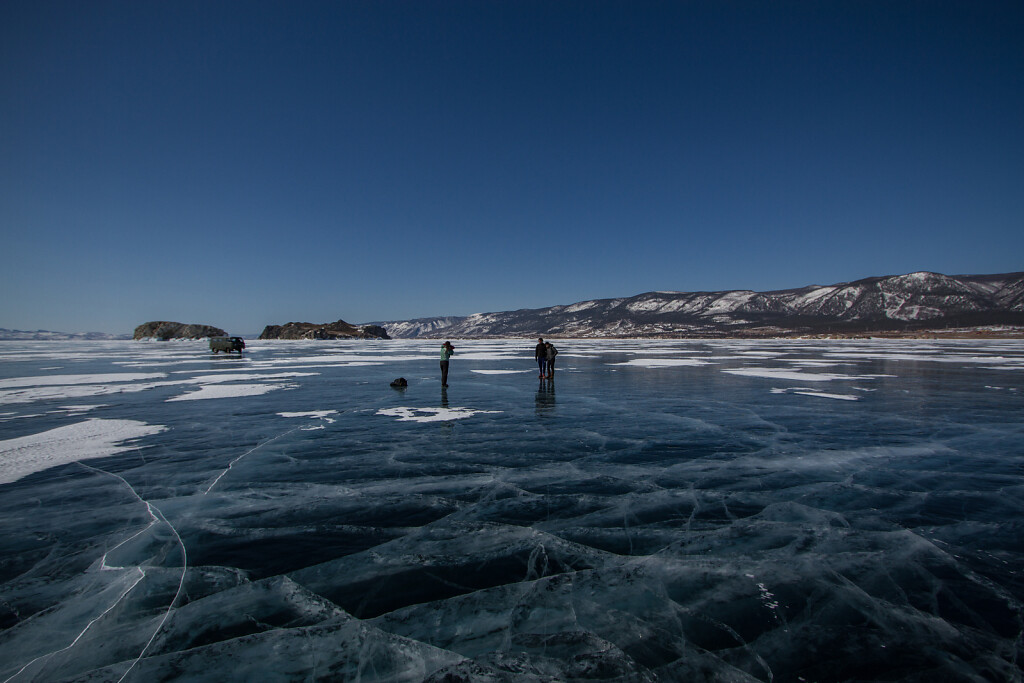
x=666, y=511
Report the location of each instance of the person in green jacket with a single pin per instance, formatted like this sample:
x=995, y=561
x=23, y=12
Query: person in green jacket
x=446, y=352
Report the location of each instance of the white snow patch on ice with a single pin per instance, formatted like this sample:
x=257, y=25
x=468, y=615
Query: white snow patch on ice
x=43, y=393
x=795, y=375
x=75, y=411
x=814, y=392
x=654, y=352
x=316, y=415
x=500, y=372
x=94, y=438
x=311, y=413
x=195, y=361
x=431, y=414
x=229, y=391
x=238, y=377
x=336, y=359
x=823, y=394
x=32, y=394
x=662, y=362
x=52, y=380
x=925, y=353
x=815, y=363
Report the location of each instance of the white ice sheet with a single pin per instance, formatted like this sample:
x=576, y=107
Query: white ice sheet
x=32, y=394
x=814, y=392
x=500, y=372
x=52, y=380
x=310, y=413
x=431, y=414
x=662, y=362
x=795, y=375
x=229, y=391
x=94, y=438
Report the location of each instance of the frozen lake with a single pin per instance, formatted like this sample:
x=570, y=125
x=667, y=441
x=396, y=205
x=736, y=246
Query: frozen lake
x=660, y=511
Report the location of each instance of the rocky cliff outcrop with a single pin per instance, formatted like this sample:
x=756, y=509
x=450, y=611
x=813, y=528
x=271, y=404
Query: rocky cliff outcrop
x=335, y=330
x=164, y=330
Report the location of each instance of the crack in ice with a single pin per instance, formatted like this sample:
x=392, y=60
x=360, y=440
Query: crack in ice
x=156, y=515
x=251, y=450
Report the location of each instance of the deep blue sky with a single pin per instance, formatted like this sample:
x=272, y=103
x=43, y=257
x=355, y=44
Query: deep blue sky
x=245, y=163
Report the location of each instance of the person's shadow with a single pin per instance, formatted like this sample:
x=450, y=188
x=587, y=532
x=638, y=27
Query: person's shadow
x=545, y=401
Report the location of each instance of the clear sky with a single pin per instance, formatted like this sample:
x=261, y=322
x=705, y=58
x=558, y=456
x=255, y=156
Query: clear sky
x=246, y=163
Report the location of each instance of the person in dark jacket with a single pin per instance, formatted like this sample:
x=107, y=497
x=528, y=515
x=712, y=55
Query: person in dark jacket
x=540, y=354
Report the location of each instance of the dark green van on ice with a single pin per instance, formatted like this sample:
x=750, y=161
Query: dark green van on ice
x=227, y=344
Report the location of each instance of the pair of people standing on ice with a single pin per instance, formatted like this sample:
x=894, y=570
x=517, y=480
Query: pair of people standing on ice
x=544, y=354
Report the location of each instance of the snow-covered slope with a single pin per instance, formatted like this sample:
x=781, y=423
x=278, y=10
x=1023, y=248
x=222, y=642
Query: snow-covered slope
x=917, y=296
x=914, y=300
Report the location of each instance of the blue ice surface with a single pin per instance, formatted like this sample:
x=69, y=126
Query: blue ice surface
x=777, y=510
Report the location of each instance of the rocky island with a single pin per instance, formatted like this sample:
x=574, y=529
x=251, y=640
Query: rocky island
x=335, y=330
x=164, y=331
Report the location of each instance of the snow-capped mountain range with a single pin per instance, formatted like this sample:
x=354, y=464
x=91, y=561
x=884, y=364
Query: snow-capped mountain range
x=48, y=335
x=916, y=301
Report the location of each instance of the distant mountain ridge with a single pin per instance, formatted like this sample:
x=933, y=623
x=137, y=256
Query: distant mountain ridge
x=915, y=301
x=48, y=335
